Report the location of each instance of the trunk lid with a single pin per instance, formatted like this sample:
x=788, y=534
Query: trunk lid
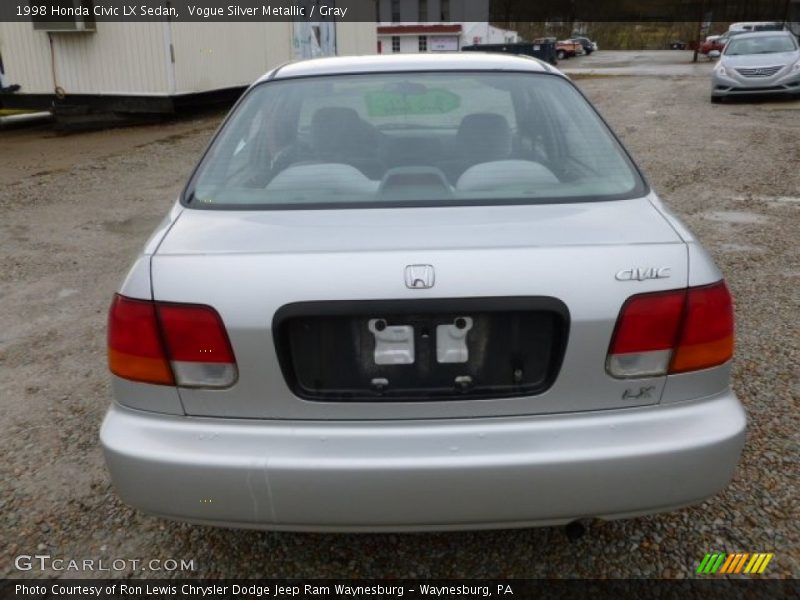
x=553, y=259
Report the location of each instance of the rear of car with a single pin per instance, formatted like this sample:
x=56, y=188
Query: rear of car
x=419, y=293
x=567, y=49
x=718, y=42
x=588, y=45
x=758, y=64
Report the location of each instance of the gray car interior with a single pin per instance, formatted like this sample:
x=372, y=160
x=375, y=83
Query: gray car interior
x=339, y=136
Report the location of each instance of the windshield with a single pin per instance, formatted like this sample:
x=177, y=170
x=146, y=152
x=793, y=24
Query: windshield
x=760, y=45
x=412, y=139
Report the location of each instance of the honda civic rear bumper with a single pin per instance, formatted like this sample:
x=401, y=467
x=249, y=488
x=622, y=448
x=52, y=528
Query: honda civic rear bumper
x=433, y=474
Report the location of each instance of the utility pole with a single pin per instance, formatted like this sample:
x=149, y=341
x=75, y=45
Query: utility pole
x=700, y=27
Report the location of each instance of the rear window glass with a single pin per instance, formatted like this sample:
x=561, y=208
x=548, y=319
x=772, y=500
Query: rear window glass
x=412, y=139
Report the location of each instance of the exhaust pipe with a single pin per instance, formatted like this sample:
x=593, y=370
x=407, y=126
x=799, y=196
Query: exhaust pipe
x=574, y=530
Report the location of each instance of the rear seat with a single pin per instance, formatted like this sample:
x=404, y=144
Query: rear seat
x=339, y=135
x=481, y=137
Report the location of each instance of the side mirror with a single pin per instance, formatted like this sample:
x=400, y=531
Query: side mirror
x=714, y=54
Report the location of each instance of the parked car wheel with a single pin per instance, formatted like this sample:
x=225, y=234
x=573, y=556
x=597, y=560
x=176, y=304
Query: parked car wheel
x=561, y=55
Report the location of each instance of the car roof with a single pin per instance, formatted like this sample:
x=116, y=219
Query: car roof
x=752, y=24
x=758, y=34
x=468, y=61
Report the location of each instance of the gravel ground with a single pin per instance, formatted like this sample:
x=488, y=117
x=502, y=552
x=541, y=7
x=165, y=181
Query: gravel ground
x=76, y=209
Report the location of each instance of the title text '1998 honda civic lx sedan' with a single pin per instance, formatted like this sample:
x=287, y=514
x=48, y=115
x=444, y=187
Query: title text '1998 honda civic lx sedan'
x=424, y=292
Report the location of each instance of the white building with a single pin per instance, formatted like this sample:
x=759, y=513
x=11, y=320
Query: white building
x=436, y=26
x=159, y=66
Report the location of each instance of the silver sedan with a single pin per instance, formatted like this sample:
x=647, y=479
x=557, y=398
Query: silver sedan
x=760, y=63
x=419, y=292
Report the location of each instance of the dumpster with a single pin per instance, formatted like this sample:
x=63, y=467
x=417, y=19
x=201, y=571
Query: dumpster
x=541, y=48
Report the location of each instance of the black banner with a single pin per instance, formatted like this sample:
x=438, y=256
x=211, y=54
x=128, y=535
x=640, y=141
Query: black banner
x=505, y=11
x=328, y=589
x=640, y=10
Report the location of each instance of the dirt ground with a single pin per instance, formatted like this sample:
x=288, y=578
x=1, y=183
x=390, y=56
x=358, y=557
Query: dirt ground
x=76, y=209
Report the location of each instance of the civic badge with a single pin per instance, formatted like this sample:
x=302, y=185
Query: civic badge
x=642, y=273
x=419, y=277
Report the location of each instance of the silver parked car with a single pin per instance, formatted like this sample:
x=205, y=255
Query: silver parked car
x=764, y=62
x=419, y=292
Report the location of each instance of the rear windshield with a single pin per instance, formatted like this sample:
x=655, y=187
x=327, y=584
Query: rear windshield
x=412, y=139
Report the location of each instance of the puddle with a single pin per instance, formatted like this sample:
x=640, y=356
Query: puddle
x=779, y=200
x=137, y=224
x=737, y=248
x=737, y=217
x=795, y=105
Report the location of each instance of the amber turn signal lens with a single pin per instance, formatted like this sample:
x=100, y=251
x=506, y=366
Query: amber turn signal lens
x=707, y=334
x=135, y=350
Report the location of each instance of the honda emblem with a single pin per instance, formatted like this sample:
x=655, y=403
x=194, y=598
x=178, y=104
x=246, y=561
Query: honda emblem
x=419, y=277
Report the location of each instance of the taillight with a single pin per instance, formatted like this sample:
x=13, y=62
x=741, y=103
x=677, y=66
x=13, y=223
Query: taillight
x=135, y=350
x=707, y=333
x=646, y=331
x=197, y=345
x=672, y=332
x=169, y=344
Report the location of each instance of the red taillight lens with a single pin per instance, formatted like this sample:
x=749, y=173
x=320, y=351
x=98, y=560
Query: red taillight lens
x=707, y=334
x=649, y=322
x=135, y=350
x=194, y=333
x=198, y=345
x=673, y=331
x=169, y=344
x=646, y=331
